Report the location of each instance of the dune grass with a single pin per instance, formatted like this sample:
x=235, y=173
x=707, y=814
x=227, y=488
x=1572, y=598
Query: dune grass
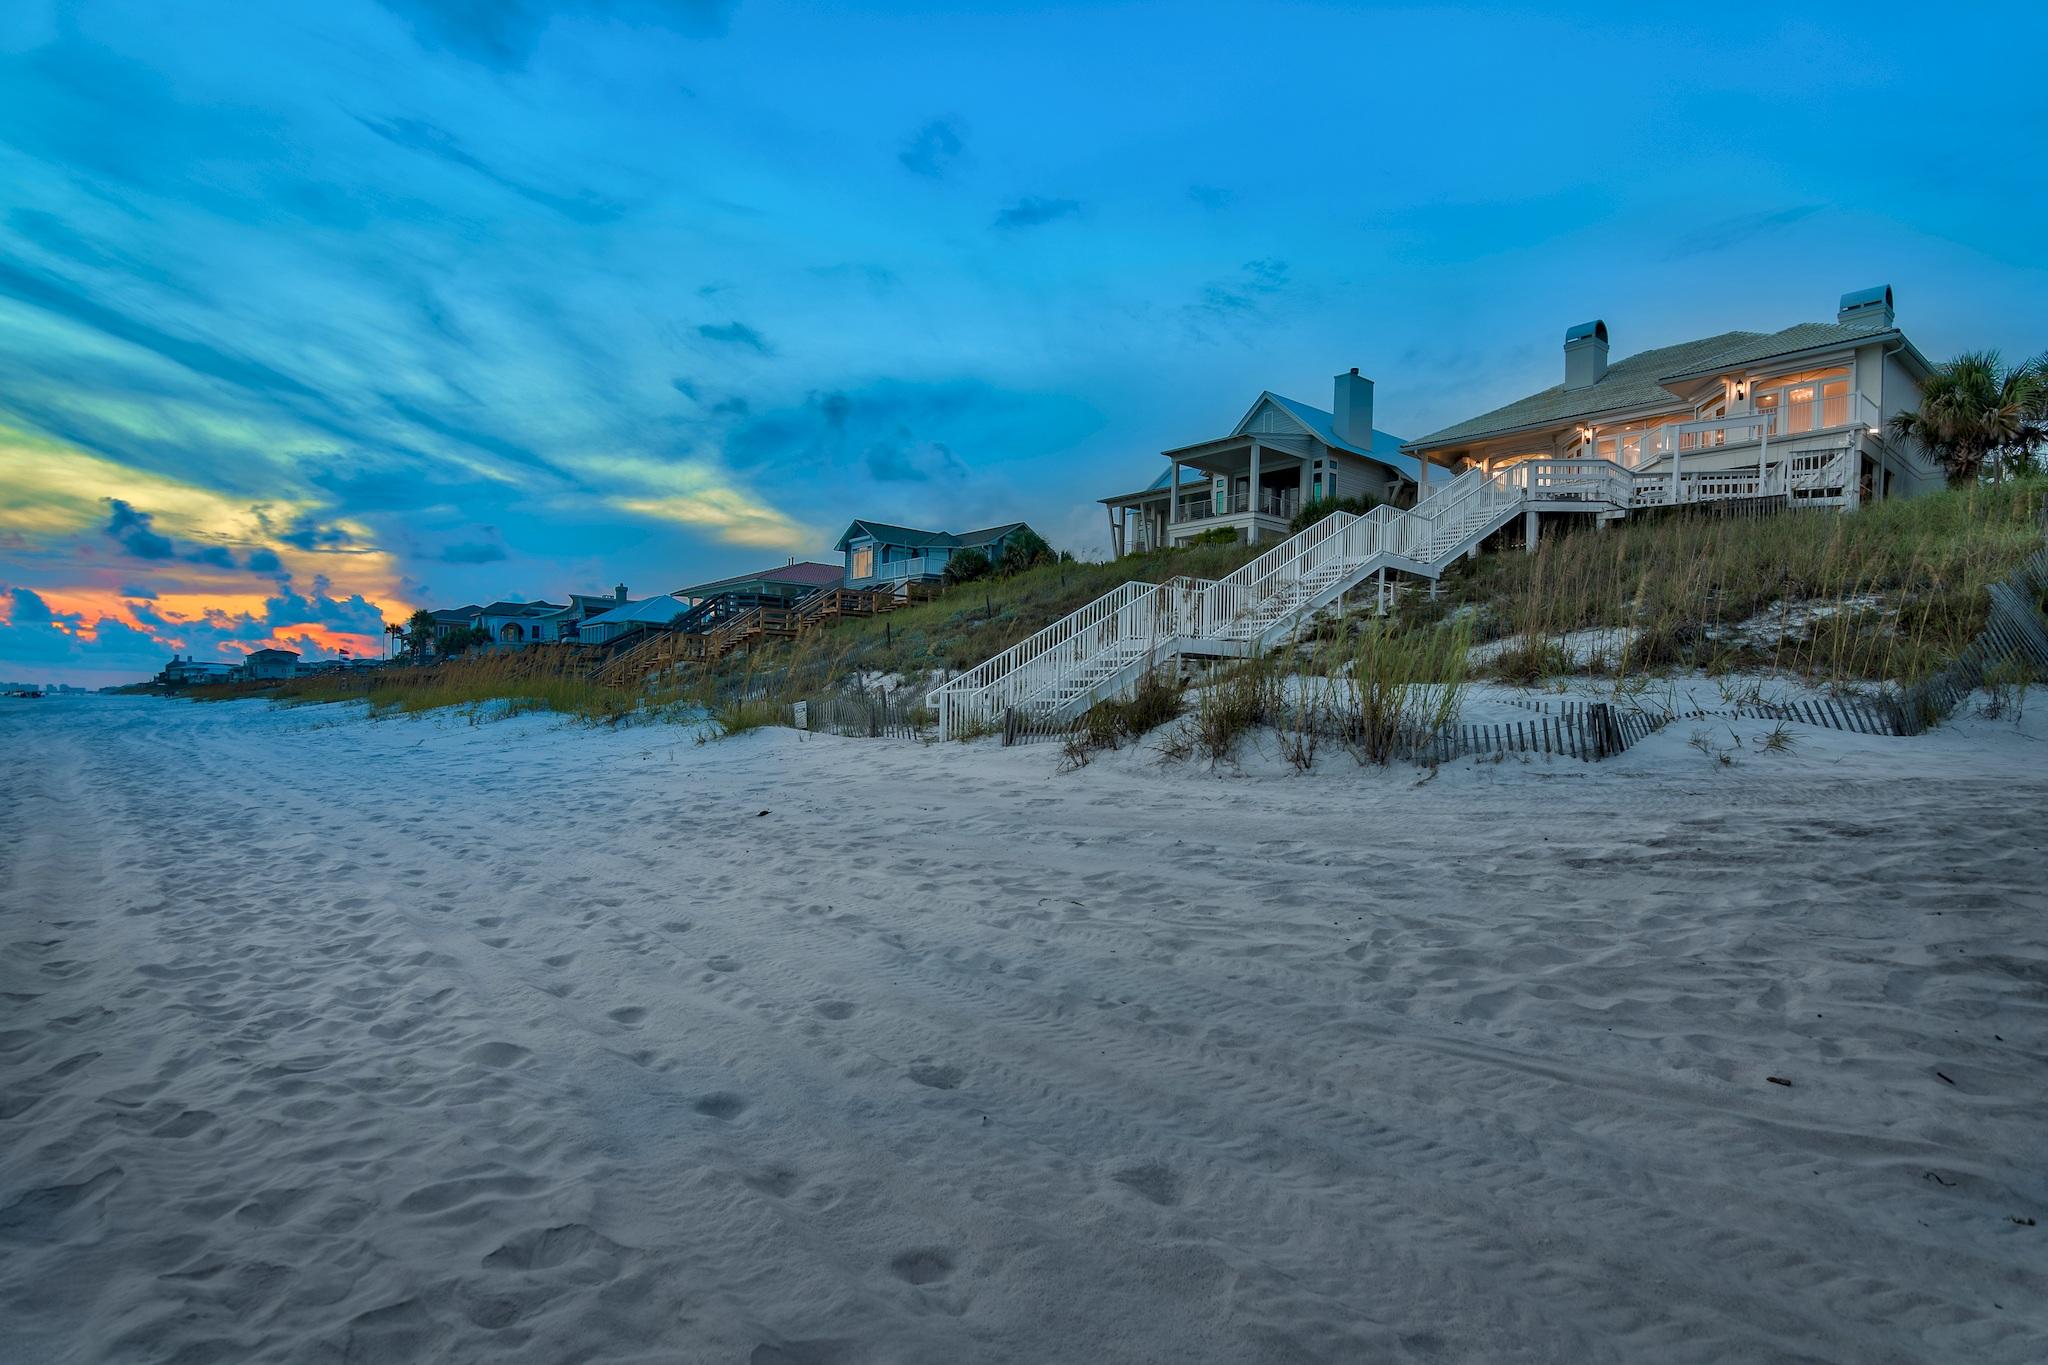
x=974, y=621
x=1890, y=591
x=539, y=679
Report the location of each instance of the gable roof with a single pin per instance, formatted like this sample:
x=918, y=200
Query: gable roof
x=270, y=653
x=807, y=573
x=1640, y=380
x=1385, y=448
x=987, y=535
x=519, y=609
x=885, y=534
x=657, y=611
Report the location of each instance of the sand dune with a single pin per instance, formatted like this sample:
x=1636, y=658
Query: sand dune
x=324, y=1039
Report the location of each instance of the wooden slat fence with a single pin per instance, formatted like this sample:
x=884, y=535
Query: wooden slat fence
x=872, y=714
x=1588, y=735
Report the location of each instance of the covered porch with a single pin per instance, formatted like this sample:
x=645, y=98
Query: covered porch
x=1239, y=483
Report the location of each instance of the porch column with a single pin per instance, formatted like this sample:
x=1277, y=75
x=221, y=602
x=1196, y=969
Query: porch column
x=1116, y=529
x=1530, y=521
x=1253, y=505
x=1173, y=498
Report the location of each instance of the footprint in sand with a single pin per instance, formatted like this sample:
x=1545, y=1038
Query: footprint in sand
x=937, y=1076
x=496, y=1054
x=777, y=1181
x=837, y=1009
x=628, y=1016
x=925, y=1265
x=722, y=1105
x=722, y=964
x=1157, y=1183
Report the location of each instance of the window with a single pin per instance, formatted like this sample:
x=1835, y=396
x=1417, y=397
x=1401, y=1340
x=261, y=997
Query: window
x=864, y=562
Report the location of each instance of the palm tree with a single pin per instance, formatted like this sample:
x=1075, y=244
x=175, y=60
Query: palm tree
x=420, y=634
x=1977, y=413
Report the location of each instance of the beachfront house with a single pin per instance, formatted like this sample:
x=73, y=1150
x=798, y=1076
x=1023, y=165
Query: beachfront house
x=514, y=625
x=650, y=613
x=786, y=583
x=269, y=665
x=1803, y=411
x=879, y=555
x=451, y=619
x=566, y=624
x=1282, y=454
x=191, y=672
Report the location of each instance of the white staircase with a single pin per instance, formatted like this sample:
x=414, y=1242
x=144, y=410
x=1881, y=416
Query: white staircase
x=1101, y=651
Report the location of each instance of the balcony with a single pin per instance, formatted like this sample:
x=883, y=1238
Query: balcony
x=1272, y=502
x=897, y=571
x=1849, y=413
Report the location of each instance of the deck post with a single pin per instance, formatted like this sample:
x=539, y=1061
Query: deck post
x=1531, y=525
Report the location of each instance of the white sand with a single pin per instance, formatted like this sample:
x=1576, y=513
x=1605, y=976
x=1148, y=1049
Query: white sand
x=335, y=1040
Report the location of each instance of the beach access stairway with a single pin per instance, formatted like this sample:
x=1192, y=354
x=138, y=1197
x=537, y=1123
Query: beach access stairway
x=713, y=629
x=1101, y=652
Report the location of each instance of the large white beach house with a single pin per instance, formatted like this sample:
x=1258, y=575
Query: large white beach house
x=1803, y=411
x=1282, y=454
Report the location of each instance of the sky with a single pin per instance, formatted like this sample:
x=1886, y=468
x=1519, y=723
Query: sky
x=313, y=315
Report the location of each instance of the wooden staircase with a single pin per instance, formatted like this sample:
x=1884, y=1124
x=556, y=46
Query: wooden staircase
x=669, y=649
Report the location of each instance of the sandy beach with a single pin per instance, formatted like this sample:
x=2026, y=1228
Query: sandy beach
x=325, y=1039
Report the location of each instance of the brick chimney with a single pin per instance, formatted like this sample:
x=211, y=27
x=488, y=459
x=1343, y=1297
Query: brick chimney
x=619, y=593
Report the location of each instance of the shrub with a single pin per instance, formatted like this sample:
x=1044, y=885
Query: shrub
x=1316, y=509
x=1026, y=550
x=1221, y=535
x=1407, y=685
x=967, y=565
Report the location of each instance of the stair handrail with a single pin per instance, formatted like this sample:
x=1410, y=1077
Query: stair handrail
x=1232, y=597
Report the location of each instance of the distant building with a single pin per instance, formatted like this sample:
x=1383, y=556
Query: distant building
x=270, y=665
x=788, y=582
x=190, y=672
x=628, y=617
x=566, y=624
x=881, y=555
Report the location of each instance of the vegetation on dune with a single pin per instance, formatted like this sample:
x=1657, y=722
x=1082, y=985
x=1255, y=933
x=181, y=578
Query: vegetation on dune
x=965, y=624
x=1889, y=592
x=530, y=680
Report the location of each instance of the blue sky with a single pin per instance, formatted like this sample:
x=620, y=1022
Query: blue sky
x=313, y=314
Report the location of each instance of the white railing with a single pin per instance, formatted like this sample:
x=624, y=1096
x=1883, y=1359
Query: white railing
x=1096, y=651
x=1828, y=413
x=981, y=693
x=917, y=566
x=1233, y=596
x=1271, y=502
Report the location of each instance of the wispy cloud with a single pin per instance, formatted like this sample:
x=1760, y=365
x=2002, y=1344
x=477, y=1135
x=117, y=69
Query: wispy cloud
x=131, y=529
x=503, y=33
x=1725, y=233
x=736, y=334
x=430, y=139
x=472, y=552
x=933, y=149
x=1036, y=211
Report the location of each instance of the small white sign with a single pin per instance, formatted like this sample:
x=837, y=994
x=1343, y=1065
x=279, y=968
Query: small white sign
x=802, y=718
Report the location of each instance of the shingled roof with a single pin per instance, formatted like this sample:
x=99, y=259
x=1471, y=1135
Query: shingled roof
x=1639, y=380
